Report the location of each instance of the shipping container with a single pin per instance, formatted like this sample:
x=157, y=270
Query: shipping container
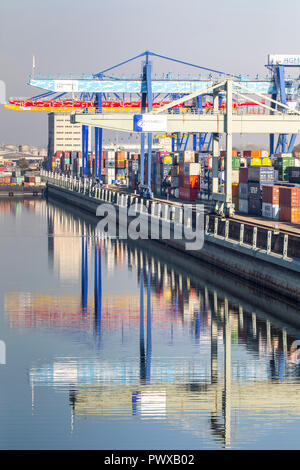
x=188, y=194
x=243, y=191
x=289, y=214
x=263, y=174
x=243, y=175
x=192, y=169
x=243, y=206
x=270, y=194
x=254, y=206
x=191, y=182
x=289, y=196
x=270, y=211
x=254, y=191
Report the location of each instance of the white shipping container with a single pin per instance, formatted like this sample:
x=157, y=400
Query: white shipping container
x=191, y=169
x=110, y=172
x=270, y=211
x=235, y=176
x=243, y=206
x=188, y=156
x=110, y=155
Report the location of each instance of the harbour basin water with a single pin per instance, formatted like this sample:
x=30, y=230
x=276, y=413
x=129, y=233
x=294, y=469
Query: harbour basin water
x=112, y=344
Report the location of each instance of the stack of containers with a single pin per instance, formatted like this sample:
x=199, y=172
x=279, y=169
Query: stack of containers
x=289, y=204
x=165, y=169
x=190, y=180
x=282, y=163
x=133, y=169
x=243, y=190
x=257, y=177
x=257, y=157
x=110, y=174
x=91, y=164
x=120, y=166
x=270, y=201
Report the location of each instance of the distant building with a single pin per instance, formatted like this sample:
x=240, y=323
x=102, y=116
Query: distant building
x=64, y=136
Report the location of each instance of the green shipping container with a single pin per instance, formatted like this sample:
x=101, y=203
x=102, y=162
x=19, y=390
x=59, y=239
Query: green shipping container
x=236, y=163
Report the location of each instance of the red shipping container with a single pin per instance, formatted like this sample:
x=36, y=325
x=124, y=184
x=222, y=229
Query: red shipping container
x=243, y=175
x=289, y=196
x=289, y=214
x=191, y=182
x=270, y=194
x=188, y=194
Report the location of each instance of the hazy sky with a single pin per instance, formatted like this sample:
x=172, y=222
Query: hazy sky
x=87, y=36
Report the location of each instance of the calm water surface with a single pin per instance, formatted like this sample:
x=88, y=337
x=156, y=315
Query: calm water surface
x=111, y=345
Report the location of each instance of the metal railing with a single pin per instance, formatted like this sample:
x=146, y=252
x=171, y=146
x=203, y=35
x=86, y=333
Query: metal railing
x=169, y=213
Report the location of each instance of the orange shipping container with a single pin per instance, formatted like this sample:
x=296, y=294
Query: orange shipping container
x=191, y=181
x=289, y=214
x=235, y=190
x=289, y=196
x=270, y=194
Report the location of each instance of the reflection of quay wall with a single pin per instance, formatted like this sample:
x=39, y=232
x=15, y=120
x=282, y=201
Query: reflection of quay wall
x=257, y=267
x=66, y=250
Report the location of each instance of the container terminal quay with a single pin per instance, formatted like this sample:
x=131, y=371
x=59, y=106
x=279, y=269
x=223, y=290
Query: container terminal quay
x=248, y=201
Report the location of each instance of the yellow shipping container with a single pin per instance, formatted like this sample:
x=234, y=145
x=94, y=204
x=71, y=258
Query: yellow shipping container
x=266, y=162
x=255, y=161
x=168, y=160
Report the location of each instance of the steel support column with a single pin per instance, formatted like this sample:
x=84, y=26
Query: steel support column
x=228, y=161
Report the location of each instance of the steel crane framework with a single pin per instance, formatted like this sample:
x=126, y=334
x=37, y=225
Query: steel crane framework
x=148, y=89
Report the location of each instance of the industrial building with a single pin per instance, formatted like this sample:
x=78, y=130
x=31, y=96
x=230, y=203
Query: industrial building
x=64, y=136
